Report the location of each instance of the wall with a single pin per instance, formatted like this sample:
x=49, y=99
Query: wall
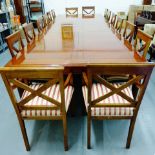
x=115, y=5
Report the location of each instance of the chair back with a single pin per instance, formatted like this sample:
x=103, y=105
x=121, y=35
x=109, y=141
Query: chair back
x=30, y=35
x=113, y=22
x=49, y=15
x=71, y=12
x=106, y=13
x=29, y=32
x=142, y=43
x=88, y=11
x=118, y=27
x=45, y=21
x=40, y=25
x=109, y=16
x=15, y=43
x=129, y=34
x=108, y=19
x=53, y=15
x=139, y=76
x=21, y=77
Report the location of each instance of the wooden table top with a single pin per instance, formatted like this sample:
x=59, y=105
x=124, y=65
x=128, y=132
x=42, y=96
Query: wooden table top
x=88, y=34
x=93, y=42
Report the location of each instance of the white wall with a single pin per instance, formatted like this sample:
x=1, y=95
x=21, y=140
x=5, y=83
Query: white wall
x=114, y=5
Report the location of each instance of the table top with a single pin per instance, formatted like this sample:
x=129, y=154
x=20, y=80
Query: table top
x=88, y=34
x=93, y=42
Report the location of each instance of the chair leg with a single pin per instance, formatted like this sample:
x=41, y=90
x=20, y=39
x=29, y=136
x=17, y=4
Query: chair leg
x=131, y=128
x=24, y=134
x=88, y=131
x=65, y=133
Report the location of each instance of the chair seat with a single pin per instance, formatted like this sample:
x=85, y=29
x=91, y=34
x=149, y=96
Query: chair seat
x=100, y=90
x=53, y=92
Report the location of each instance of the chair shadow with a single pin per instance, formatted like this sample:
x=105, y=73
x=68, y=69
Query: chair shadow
x=47, y=131
x=74, y=126
x=51, y=132
x=55, y=132
x=98, y=129
x=37, y=132
x=110, y=130
x=75, y=130
x=116, y=132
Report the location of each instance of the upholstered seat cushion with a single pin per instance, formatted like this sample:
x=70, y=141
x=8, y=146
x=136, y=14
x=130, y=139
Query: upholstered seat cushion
x=100, y=90
x=53, y=92
x=149, y=28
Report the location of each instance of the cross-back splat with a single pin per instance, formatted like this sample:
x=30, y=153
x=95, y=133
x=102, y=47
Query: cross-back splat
x=88, y=11
x=129, y=34
x=71, y=12
x=15, y=43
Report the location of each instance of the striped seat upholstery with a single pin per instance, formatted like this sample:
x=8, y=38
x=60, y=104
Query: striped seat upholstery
x=53, y=92
x=100, y=90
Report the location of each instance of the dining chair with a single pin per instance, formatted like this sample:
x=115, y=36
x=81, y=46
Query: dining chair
x=72, y=12
x=109, y=17
x=49, y=15
x=118, y=28
x=15, y=43
x=142, y=43
x=30, y=35
x=128, y=34
x=46, y=23
x=88, y=11
x=40, y=26
x=106, y=13
x=120, y=77
x=113, y=101
x=53, y=15
x=113, y=22
x=45, y=101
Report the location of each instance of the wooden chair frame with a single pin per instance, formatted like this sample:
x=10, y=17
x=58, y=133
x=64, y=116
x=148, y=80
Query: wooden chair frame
x=143, y=39
x=118, y=27
x=29, y=28
x=88, y=11
x=13, y=78
x=140, y=78
x=53, y=15
x=31, y=39
x=129, y=36
x=109, y=18
x=45, y=22
x=49, y=15
x=106, y=13
x=113, y=22
x=12, y=40
x=40, y=26
x=72, y=12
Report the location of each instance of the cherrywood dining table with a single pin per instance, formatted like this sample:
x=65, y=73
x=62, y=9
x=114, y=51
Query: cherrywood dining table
x=93, y=42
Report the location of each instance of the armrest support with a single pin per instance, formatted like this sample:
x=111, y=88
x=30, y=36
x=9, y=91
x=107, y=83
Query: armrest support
x=84, y=75
x=69, y=80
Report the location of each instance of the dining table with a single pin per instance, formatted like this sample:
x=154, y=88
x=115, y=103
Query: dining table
x=92, y=42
